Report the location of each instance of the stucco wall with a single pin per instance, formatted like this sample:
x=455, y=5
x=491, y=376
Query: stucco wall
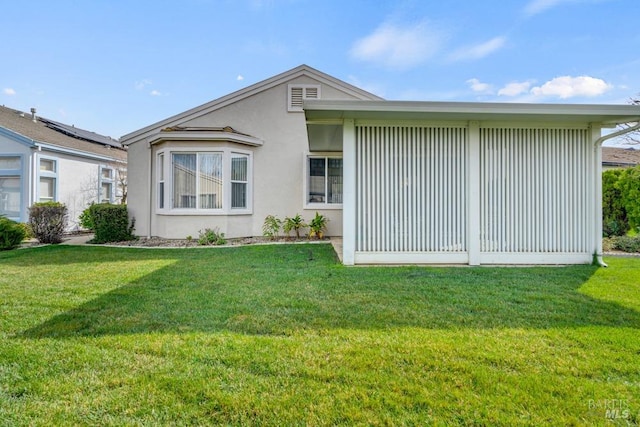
x=78, y=183
x=278, y=167
x=138, y=186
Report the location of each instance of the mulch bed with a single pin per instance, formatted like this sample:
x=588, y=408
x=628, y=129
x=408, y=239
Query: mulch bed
x=184, y=243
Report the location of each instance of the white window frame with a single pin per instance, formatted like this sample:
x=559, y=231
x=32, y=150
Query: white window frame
x=307, y=92
x=165, y=156
x=50, y=175
x=111, y=181
x=161, y=169
x=236, y=155
x=19, y=174
x=325, y=204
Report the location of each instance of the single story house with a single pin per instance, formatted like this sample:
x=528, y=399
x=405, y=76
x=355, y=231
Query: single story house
x=618, y=157
x=42, y=160
x=401, y=182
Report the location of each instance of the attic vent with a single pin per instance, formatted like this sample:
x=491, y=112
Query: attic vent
x=298, y=93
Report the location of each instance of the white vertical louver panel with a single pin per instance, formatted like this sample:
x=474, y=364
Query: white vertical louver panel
x=296, y=97
x=534, y=194
x=411, y=189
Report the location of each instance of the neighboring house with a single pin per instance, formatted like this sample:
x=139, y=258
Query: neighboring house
x=615, y=157
x=42, y=160
x=402, y=182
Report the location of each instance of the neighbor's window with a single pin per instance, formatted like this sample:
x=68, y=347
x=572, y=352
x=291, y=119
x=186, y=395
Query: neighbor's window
x=10, y=163
x=10, y=196
x=10, y=187
x=48, y=180
x=324, y=180
x=106, y=185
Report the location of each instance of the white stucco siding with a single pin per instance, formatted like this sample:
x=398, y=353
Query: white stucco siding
x=278, y=167
x=77, y=182
x=138, y=192
x=77, y=186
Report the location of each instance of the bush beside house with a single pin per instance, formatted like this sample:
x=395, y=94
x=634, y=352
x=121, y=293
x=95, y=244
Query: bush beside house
x=11, y=233
x=48, y=221
x=110, y=223
x=621, y=209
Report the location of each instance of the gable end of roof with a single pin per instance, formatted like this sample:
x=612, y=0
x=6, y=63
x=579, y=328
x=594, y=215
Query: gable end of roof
x=301, y=70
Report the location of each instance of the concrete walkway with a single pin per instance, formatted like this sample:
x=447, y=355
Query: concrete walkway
x=76, y=239
x=337, y=246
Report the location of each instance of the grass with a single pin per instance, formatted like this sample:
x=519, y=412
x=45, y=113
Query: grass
x=284, y=335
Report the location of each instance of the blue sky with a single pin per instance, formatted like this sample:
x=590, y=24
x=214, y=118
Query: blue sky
x=116, y=66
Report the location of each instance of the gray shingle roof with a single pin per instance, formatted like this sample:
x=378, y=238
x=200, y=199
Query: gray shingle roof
x=620, y=156
x=61, y=135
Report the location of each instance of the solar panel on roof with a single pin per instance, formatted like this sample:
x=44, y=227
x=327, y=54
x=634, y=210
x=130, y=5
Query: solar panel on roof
x=81, y=133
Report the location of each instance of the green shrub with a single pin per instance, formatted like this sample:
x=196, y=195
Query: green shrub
x=86, y=219
x=614, y=214
x=627, y=244
x=48, y=221
x=295, y=223
x=11, y=233
x=318, y=226
x=211, y=237
x=111, y=223
x=271, y=226
x=629, y=186
x=28, y=234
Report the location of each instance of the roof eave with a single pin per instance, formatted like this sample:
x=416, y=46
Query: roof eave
x=408, y=110
x=206, y=136
x=17, y=137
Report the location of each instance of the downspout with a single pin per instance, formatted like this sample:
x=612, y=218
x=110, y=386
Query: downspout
x=598, y=179
x=151, y=188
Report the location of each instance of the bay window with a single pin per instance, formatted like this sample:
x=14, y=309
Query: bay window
x=212, y=181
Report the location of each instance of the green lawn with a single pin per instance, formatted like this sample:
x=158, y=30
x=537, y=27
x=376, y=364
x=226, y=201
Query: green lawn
x=284, y=335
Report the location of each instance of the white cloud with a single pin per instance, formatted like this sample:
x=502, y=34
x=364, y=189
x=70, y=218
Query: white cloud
x=240, y=77
x=567, y=87
x=479, y=87
x=155, y=93
x=535, y=7
x=398, y=46
x=141, y=84
x=9, y=91
x=479, y=50
x=515, y=88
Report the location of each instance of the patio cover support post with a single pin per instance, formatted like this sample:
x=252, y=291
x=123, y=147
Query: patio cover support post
x=597, y=154
x=349, y=192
